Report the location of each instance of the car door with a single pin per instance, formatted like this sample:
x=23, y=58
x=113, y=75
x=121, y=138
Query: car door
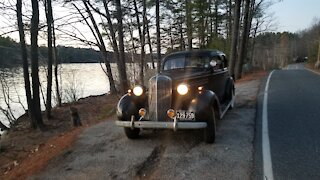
x=219, y=77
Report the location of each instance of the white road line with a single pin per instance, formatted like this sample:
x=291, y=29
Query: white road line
x=313, y=71
x=266, y=153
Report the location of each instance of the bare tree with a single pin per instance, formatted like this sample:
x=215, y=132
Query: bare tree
x=235, y=36
x=141, y=35
x=143, y=40
x=100, y=43
x=189, y=23
x=112, y=35
x=49, y=16
x=6, y=96
x=35, y=63
x=158, y=35
x=150, y=46
x=122, y=72
x=25, y=64
x=244, y=42
x=56, y=63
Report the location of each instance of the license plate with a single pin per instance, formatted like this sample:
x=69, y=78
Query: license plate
x=185, y=115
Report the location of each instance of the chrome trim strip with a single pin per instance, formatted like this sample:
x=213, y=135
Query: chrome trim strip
x=163, y=125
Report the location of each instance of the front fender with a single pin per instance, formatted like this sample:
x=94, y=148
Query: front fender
x=129, y=105
x=203, y=103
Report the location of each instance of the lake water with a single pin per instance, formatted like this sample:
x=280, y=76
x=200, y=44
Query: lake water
x=84, y=79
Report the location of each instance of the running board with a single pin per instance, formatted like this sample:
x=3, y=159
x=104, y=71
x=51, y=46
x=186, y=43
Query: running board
x=225, y=110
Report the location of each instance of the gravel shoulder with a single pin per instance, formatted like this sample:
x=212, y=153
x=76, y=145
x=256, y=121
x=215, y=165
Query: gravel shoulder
x=104, y=152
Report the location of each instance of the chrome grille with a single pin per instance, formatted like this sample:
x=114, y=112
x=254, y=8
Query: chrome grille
x=160, y=95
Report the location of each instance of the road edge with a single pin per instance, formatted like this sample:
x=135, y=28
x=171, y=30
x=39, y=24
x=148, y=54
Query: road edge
x=266, y=153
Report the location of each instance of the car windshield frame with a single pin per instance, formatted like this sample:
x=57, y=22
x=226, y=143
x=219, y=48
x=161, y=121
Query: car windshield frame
x=184, y=62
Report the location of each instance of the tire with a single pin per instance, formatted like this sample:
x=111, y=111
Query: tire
x=232, y=99
x=210, y=130
x=132, y=133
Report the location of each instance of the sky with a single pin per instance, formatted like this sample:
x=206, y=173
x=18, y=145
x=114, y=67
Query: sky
x=288, y=15
x=295, y=15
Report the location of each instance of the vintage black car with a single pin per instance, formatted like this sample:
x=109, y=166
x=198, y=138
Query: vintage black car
x=192, y=91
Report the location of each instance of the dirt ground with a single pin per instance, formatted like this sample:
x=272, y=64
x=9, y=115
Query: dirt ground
x=25, y=151
x=102, y=151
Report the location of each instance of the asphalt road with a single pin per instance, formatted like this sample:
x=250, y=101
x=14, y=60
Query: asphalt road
x=293, y=120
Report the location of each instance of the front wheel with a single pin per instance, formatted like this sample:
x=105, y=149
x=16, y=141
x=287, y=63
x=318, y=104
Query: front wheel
x=210, y=130
x=132, y=133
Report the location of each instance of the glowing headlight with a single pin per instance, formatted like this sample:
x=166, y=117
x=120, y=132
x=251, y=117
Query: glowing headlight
x=182, y=89
x=138, y=90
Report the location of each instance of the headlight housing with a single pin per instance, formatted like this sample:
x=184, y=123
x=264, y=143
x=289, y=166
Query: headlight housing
x=138, y=90
x=182, y=89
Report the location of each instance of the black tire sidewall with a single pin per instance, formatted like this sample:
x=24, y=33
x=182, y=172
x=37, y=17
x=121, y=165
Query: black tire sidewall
x=132, y=133
x=210, y=130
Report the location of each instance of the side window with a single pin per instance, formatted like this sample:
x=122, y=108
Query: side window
x=219, y=62
x=225, y=62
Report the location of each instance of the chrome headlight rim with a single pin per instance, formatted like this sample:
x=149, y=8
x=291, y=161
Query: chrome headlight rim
x=183, y=89
x=138, y=90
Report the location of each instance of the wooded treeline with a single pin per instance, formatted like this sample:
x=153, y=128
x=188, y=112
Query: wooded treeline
x=149, y=28
x=10, y=54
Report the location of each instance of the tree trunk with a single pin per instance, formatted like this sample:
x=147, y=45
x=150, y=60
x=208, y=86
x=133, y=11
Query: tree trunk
x=171, y=37
x=254, y=43
x=244, y=42
x=158, y=35
x=35, y=63
x=132, y=39
x=113, y=37
x=24, y=54
x=181, y=39
x=143, y=40
x=235, y=36
x=56, y=63
x=216, y=19
x=229, y=21
x=189, y=23
x=141, y=36
x=150, y=46
x=102, y=48
x=122, y=72
x=49, y=17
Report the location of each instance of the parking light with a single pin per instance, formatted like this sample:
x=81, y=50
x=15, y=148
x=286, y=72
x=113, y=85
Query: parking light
x=200, y=89
x=142, y=112
x=171, y=113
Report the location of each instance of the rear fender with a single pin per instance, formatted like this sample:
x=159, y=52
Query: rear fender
x=229, y=88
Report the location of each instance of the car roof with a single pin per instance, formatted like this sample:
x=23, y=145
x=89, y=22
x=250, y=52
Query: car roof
x=206, y=52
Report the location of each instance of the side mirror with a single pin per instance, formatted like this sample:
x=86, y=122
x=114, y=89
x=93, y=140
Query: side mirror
x=213, y=63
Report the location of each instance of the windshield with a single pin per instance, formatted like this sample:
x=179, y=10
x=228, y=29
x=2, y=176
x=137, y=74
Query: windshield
x=181, y=62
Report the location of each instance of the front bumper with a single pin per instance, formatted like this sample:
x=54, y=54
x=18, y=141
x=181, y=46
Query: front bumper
x=161, y=125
